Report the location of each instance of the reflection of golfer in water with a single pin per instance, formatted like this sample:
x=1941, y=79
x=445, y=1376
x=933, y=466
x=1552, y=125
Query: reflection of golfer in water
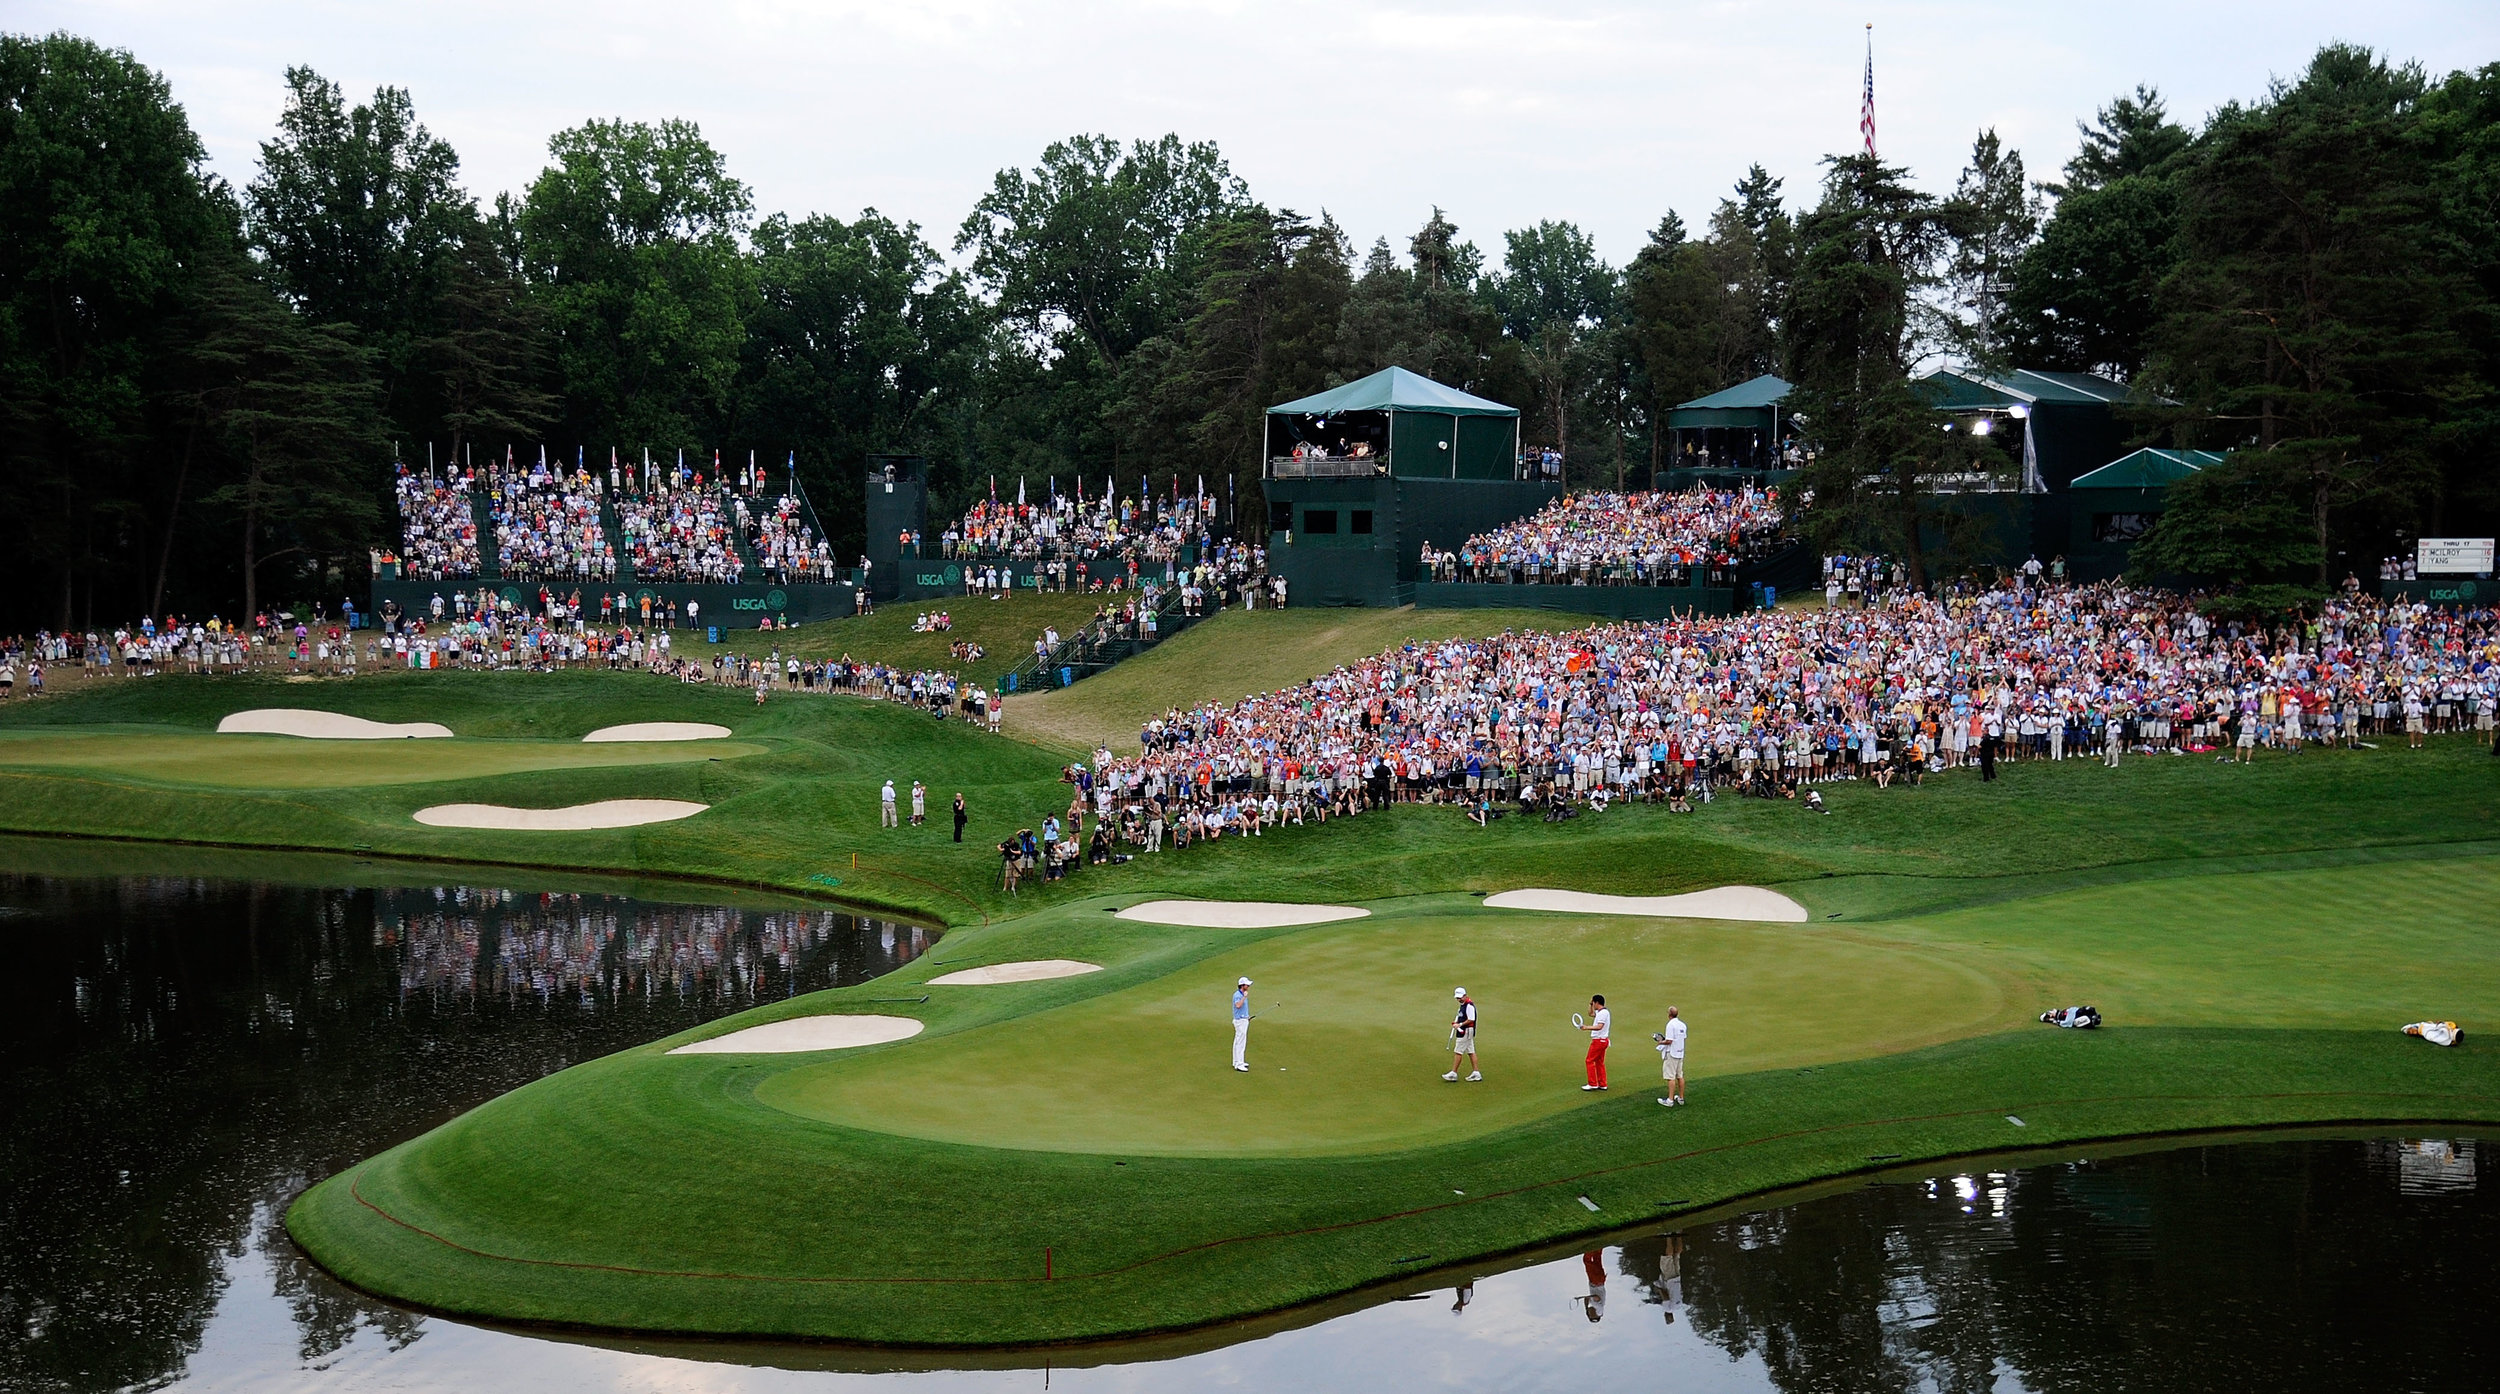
x=1241, y=1024
x=1671, y=1274
x=1595, y=1303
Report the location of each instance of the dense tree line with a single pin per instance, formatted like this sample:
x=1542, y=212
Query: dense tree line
x=202, y=387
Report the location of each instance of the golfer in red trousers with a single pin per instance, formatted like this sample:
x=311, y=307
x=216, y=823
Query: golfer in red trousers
x=1601, y=1029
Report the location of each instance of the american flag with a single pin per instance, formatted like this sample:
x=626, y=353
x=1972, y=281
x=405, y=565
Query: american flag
x=1866, y=107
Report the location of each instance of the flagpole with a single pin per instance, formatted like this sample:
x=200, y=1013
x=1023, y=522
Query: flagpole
x=1866, y=106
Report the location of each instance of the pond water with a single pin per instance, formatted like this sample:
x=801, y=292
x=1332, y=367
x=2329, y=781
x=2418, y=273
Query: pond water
x=186, y=1052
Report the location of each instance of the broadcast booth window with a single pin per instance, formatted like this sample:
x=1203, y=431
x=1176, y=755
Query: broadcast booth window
x=1359, y=521
x=2121, y=527
x=1319, y=521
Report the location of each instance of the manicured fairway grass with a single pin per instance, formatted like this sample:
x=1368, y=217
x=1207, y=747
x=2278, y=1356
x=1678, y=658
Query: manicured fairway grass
x=285, y=762
x=1353, y=1033
x=801, y=814
x=685, y=1193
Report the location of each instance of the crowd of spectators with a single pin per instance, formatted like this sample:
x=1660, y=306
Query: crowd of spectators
x=1772, y=702
x=1606, y=539
x=547, y=524
x=320, y=645
x=786, y=548
x=1097, y=530
x=680, y=534
x=437, y=526
x=1861, y=580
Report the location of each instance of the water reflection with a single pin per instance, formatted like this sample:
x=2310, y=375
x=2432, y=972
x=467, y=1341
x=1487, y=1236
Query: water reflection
x=2255, y=1265
x=458, y=942
x=184, y=1054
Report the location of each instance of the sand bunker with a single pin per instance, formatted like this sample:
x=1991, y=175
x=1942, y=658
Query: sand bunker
x=581, y=817
x=807, y=1033
x=1717, y=903
x=1031, y=970
x=1238, y=914
x=325, y=726
x=660, y=731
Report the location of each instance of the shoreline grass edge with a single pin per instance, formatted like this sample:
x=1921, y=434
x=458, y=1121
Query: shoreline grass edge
x=1640, y=1165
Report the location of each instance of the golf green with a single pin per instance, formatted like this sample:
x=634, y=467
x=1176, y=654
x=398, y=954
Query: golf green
x=1353, y=1033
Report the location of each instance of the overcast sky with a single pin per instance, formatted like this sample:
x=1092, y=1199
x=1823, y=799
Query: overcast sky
x=1502, y=112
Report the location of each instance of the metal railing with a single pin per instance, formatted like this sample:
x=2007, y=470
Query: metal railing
x=1365, y=467
x=1088, y=652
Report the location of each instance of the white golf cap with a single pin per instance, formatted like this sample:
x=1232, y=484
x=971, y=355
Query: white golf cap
x=1243, y=983
x=1458, y=992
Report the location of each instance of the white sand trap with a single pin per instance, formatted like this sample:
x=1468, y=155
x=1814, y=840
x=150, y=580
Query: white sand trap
x=807, y=1033
x=1031, y=970
x=1238, y=914
x=326, y=726
x=581, y=817
x=1717, y=903
x=660, y=731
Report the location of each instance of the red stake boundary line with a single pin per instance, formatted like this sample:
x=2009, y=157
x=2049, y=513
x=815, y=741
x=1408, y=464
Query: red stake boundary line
x=354, y=1189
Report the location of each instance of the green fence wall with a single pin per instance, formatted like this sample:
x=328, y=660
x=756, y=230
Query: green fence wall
x=1347, y=568
x=2478, y=592
x=729, y=607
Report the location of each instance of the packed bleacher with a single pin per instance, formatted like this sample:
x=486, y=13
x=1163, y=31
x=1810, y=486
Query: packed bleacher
x=1095, y=529
x=547, y=524
x=786, y=548
x=1607, y=539
x=438, y=528
x=680, y=534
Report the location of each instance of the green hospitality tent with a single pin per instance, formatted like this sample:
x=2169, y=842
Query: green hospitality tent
x=1407, y=424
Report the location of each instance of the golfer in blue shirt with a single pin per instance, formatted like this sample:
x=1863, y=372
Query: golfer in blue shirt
x=1241, y=1024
